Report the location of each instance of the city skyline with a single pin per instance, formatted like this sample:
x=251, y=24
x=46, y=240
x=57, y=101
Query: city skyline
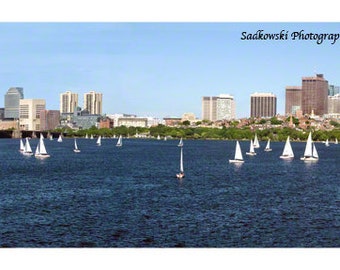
x=160, y=69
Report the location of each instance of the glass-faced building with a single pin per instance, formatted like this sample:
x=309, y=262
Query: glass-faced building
x=12, y=101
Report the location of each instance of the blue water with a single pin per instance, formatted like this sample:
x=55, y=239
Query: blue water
x=129, y=197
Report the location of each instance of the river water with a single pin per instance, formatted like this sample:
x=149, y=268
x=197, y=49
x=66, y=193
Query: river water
x=107, y=196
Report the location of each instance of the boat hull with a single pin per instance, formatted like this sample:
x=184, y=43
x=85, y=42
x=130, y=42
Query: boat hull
x=41, y=156
x=250, y=154
x=286, y=157
x=309, y=159
x=236, y=161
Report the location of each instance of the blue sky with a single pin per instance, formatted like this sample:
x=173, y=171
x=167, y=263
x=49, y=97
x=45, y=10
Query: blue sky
x=160, y=69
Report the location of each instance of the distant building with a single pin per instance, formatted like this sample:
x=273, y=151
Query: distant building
x=2, y=113
x=133, y=121
x=68, y=102
x=225, y=107
x=293, y=100
x=209, y=108
x=30, y=112
x=49, y=119
x=188, y=117
x=93, y=102
x=12, y=100
x=263, y=105
x=334, y=106
x=220, y=107
x=314, y=95
x=172, y=121
x=333, y=90
x=106, y=123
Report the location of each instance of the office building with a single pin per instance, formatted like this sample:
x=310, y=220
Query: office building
x=29, y=113
x=293, y=100
x=68, y=102
x=262, y=105
x=334, y=105
x=12, y=98
x=209, y=108
x=220, y=107
x=225, y=107
x=49, y=119
x=93, y=102
x=314, y=95
x=333, y=90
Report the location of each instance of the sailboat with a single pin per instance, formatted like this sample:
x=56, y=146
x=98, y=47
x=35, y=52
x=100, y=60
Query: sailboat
x=27, y=150
x=238, y=155
x=91, y=137
x=60, y=139
x=181, y=175
x=51, y=137
x=267, y=149
x=120, y=141
x=336, y=140
x=327, y=143
x=180, y=144
x=99, y=141
x=310, y=153
x=251, y=150
x=40, y=151
x=158, y=137
x=256, y=142
x=287, y=150
x=22, y=146
x=86, y=136
x=76, y=149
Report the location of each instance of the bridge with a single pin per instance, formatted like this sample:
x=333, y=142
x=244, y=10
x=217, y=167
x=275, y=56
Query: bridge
x=26, y=133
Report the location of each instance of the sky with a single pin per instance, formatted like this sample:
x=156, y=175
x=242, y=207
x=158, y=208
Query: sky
x=160, y=68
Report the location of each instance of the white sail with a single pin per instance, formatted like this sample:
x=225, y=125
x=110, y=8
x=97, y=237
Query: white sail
x=91, y=137
x=267, y=148
x=327, y=143
x=336, y=140
x=22, y=146
x=251, y=149
x=99, y=140
x=287, y=150
x=76, y=149
x=310, y=153
x=86, y=136
x=40, y=151
x=42, y=148
x=51, y=137
x=158, y=137
x=256, y=142
x=238, y=154
x=60, y=139
x=308, y=148
x=180, y=144
x=28, y=149
x=120, y=141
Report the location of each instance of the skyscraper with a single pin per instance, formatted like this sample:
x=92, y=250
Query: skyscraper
x=68, y=102
x=262, y=105
x=209, y=108
x=314, y=95
x=12, y=99
x=93, y=102
x=225, y=107
x=293, y=99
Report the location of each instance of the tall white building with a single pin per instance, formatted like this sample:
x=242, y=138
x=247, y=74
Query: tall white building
x=68, y=102
x=225, y=107
x=29, y=113
x=334, y=106
x=221, y=107
x=93, y=102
